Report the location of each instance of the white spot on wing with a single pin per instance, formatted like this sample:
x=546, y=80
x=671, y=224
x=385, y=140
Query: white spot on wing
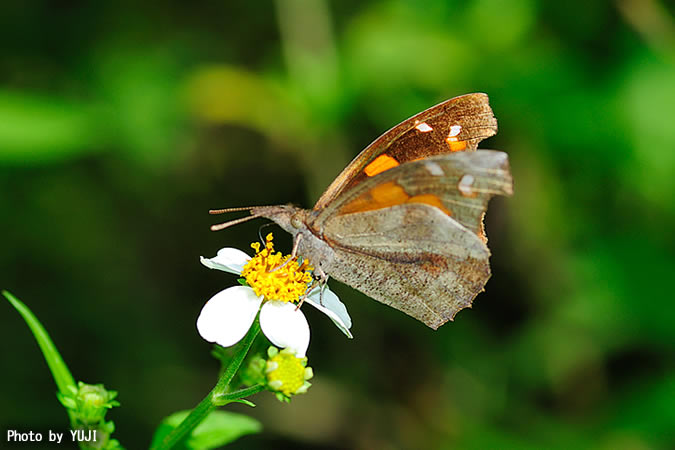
x=465, y=185
x=434, y=169
x=455, y=130
x=424, y=127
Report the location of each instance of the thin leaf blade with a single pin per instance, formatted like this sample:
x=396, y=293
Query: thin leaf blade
x=64, y=380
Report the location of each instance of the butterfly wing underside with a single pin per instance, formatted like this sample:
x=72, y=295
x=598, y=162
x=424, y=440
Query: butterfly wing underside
x=455, y=125
x=420, y=249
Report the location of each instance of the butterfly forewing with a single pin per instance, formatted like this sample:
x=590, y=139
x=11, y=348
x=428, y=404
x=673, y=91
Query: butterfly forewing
x=459, y=184
x=455, y=125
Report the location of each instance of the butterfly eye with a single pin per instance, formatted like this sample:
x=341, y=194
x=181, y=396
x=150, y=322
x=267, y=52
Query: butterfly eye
x=296, y=221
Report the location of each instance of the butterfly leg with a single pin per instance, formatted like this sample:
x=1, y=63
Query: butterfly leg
x=294, y=253
x=302, y=300
x=296, y=244
x=320, y=277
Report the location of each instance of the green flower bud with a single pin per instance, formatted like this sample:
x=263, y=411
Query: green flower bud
x=89, y=402
x=287, y=374
x=254, y=372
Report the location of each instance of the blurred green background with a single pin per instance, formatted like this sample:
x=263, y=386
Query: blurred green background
x=122, y=123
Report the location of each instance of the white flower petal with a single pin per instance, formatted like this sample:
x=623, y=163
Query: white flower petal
x=285, y=326
x=330, y=305
x=228, y=315
x=229, y=259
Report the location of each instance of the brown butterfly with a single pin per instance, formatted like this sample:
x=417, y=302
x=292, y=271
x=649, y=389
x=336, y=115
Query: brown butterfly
x=403, y=222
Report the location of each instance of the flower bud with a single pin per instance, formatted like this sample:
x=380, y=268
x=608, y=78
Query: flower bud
x=287, y=374
x=89, y=403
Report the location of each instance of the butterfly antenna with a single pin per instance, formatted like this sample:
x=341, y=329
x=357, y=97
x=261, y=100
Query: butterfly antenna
x=222, y=226
x=227, y=210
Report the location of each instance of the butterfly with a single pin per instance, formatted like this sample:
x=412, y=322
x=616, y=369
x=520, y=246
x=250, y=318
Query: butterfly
x=403, y=222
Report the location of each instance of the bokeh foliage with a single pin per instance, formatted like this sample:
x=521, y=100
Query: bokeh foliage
x=122, y=123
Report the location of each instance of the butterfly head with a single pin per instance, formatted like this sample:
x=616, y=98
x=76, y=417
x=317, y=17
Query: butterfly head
x=290, y=218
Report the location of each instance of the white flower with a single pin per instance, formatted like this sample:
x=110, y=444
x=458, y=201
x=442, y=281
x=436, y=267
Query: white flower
x=227, y=316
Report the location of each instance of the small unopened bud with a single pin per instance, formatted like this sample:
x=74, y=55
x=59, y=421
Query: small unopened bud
x=287, y=374
x=89, y=402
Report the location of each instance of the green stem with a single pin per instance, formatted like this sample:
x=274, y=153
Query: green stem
x=229, y=397
x=208, y=404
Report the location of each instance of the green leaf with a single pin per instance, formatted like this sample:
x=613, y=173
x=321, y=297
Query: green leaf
x=218, y=429
x=64, y=380
x=245, y=402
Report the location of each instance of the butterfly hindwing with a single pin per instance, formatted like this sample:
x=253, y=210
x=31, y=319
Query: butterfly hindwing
x=411, y=257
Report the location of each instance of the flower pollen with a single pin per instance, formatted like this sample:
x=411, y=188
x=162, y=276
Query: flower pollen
x=275, y=276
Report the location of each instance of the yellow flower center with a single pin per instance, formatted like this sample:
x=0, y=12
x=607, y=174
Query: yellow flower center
x=275, y=276
x=286, y=373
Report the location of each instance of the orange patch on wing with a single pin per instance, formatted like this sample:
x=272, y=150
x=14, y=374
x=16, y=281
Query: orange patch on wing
x=455, y=144
x=390, y=194
x=381, y=196
x=380, y=164
x=432, y=200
